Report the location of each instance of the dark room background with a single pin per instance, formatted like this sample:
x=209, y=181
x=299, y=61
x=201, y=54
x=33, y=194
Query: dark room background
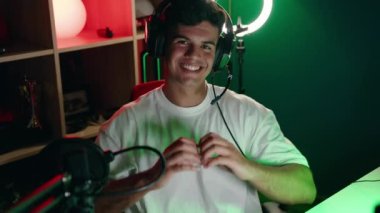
x=316, y=65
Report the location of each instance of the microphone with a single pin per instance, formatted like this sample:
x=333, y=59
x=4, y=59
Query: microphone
x=66, y=175
x=86, y=166
x=82, y=159
x=218, y=97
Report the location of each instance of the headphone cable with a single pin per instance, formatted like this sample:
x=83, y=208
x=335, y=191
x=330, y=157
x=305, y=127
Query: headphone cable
x=216, y=99
x=147, y=185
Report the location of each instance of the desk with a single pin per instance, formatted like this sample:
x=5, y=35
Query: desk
x=361, y=196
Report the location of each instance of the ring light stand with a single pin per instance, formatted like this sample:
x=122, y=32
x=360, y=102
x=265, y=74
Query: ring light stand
x=242, y=30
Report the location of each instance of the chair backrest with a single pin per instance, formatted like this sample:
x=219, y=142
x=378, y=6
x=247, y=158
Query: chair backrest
x=141, y=89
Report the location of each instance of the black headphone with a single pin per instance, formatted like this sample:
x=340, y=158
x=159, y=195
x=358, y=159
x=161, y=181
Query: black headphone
x=155, y=36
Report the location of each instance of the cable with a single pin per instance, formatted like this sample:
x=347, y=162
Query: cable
x=362, y=181
x=216, y=99
x=146, y=186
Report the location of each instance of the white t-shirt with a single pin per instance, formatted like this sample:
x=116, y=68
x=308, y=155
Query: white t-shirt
x=154, y=121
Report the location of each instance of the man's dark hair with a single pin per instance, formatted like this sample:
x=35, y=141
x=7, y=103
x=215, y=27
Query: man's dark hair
x=192, y=12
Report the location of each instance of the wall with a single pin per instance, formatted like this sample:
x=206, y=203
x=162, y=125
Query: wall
x=315, y=63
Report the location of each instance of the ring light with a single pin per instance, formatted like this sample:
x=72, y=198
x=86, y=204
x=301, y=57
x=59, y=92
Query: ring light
x=242, y=30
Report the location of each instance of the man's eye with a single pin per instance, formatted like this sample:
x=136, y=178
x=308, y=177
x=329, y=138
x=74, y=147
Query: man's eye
x=207, y=47
x=181, y=41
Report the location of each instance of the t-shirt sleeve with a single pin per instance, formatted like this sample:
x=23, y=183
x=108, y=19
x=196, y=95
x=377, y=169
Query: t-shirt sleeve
x=113, y=137
x=271, y=147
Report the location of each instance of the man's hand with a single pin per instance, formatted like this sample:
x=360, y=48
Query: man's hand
x=181, y=155
x=288, y=184
x=217, y=151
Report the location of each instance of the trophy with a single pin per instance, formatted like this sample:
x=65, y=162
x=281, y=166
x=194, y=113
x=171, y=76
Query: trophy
x=29, y=90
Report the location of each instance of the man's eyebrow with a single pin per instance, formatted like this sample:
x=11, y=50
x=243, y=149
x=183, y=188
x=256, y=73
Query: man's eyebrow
x=179, y=36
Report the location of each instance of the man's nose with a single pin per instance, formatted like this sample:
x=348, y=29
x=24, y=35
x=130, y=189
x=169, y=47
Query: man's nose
x=194, y=51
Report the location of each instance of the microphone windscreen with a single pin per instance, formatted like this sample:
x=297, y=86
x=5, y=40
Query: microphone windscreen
x=82, y=159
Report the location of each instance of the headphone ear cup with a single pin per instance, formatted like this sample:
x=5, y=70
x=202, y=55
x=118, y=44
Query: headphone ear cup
x=224, y=46
x=222, y=54
x=218, y=55
x=156, y=30
x=155, y=38
x=224, y=61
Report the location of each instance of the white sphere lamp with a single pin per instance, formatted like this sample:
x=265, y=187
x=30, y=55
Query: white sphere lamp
x=70, y=17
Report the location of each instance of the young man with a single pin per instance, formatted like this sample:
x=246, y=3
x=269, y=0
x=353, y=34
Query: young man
x=205, y=171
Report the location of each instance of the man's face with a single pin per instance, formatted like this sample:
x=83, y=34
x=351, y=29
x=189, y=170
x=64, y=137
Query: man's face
x=190, y=54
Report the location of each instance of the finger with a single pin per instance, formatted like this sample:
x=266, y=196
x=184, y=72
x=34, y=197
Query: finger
x=182, y=157
x=227, y=161
x=181, y=168
x=208, y=136
x=182, y=150
x=213, y=144
x=219, y=161
x=184, y=144
x=212, y=140
x=215, y=151
x=239, y=167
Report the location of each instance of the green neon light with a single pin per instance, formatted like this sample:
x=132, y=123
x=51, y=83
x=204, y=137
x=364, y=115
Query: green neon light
x=144, y=66
x=158, y=69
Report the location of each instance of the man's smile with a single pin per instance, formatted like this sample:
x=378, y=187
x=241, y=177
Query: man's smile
x=191, y=67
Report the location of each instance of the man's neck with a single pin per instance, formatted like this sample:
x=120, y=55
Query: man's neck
x=185, y=96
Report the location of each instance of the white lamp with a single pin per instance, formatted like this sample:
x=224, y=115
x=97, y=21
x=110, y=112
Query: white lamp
x=242, y=30
x=143, y=8
x=70, y=17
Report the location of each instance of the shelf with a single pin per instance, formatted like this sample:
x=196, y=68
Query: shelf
x=27, y=25
x=115, y=14
x=88, y=39
x=87, y=133
x=20, y=154
x=107, y=68
x=140, y=35
x=20, y=55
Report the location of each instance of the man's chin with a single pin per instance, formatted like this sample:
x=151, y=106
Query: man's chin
x=191, y=82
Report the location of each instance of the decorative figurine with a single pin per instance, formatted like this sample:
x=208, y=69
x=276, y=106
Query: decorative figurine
x=29, y=90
